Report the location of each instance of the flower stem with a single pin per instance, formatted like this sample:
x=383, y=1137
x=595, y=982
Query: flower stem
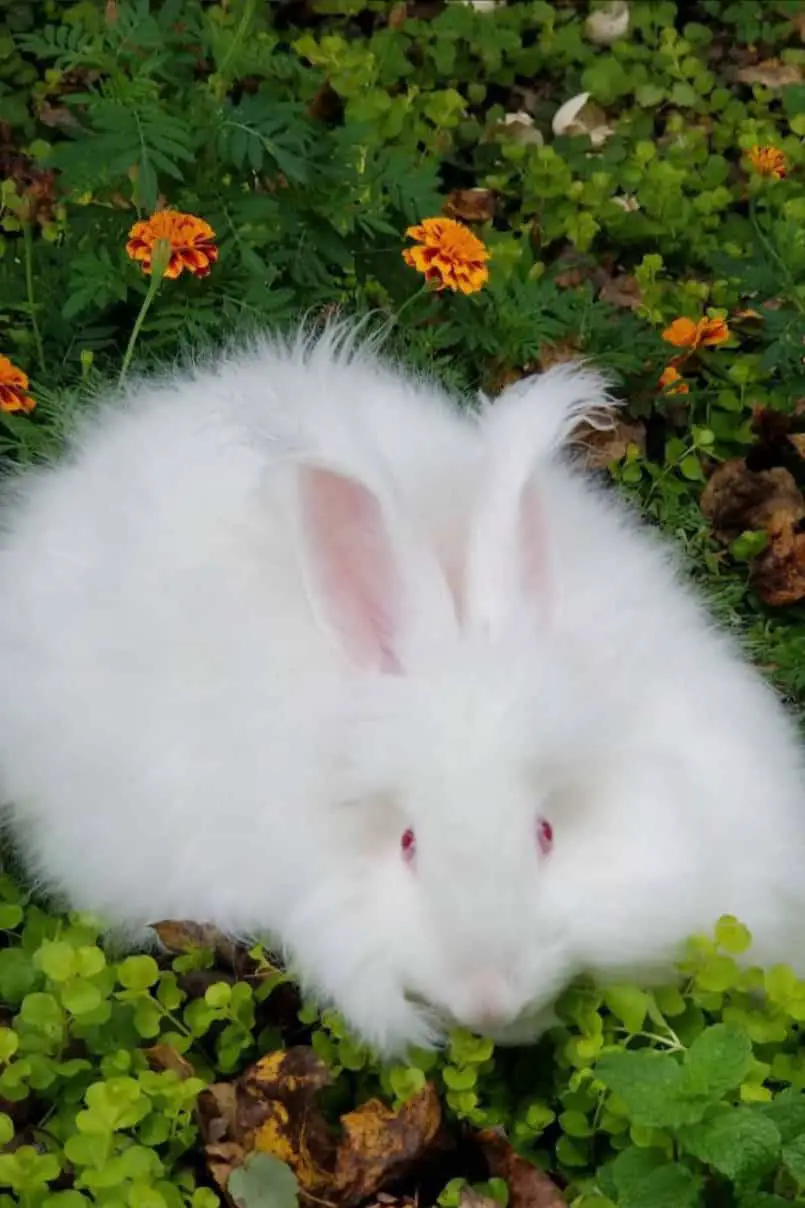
x=153, y=289
x=28, y=246
x=393, y=320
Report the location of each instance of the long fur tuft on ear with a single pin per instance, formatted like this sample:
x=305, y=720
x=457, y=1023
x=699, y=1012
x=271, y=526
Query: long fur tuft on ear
x=534, y=417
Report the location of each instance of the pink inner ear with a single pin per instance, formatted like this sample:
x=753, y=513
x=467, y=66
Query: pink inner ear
x=533, y=547
x=353, y=564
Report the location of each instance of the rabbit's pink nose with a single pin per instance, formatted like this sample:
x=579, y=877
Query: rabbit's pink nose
x=489, y=1006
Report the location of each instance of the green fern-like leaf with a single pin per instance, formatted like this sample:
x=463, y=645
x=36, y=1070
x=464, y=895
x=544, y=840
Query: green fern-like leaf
x=261, y=132
x=68, y=46
x=120, y=137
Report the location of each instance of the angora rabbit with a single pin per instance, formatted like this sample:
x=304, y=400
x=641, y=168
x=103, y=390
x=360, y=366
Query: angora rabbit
x=291, y=644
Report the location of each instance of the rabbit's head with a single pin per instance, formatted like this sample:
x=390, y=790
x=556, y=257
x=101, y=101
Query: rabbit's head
x=466, y=722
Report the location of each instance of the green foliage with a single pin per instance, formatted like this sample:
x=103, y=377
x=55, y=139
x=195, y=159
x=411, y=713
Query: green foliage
x=263, y=1182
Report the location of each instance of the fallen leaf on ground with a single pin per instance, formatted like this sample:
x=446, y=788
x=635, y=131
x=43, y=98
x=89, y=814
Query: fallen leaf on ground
x=222, y=1159
x=737, y=499
x=520, y=125
x=379, y=1144
x=557, y=354
x=470, y=1198
x=605, y=25
x=529, y=1187
x=778, y=573
x=622, y=291
x=601, y=446
x=326, y=105
x=217, y=1111
x=470, y=205
x=772, y=73
x=35, y=187
x=180, y=936
x=166, y=1057
x=272, y=1109
x=580, y=116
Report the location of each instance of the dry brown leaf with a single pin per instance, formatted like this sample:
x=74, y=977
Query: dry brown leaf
x=747, y=315
x=797, y=439
x=772, y=73
x=778, y=573
x=272, y=1109
x=529, y=1187
x=737, y=499
x=326, y=105
x=216, y=1108
x=557, y=354
x=166, y=1057
x=470, y=1198
x=601, y=446
x=179, y=936
x=398, y=15
x=221, y=1161
x=36, y=186
x=622, y=291
x=379, y=1145
x=470, y=205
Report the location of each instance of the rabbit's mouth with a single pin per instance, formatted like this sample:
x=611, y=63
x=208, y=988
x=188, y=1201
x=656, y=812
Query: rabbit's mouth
x=525, y=1028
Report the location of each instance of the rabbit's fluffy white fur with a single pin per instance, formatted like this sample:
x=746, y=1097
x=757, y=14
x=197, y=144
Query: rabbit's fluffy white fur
x=270, y=614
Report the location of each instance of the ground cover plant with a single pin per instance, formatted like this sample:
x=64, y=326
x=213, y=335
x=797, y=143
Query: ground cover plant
x=629, y=180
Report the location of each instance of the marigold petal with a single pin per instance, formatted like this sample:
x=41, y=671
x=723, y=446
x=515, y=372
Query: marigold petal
x=671, y=381
x=449, y=255
x=10, y=375
x=13, y=400
x=713, y=331
x=683, y=333
x=768, y=161
x=190, y=239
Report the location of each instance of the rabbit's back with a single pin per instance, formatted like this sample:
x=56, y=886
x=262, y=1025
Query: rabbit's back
x=724, y=829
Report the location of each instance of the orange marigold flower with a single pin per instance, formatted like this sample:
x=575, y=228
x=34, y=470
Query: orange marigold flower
x=684, y=333
x=13, y=387
x=672, y=382
x=190, y=239
x=768, y=161
x=450, y=255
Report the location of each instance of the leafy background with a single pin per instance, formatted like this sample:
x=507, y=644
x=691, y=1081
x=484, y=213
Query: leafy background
x=311, y=134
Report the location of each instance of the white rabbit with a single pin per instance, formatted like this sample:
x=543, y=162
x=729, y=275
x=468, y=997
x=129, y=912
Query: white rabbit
x=292, y=644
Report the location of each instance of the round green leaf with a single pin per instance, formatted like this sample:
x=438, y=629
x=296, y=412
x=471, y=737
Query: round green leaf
x=263, y=1181
x=138, y=972
x=9, y=1043
x=80, y=996
x=11, y=916
x=218, y=995
x=56, y=959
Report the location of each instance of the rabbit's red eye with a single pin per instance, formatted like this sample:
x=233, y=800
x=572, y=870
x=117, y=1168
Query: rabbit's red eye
x=544, y=835
x=408, y=844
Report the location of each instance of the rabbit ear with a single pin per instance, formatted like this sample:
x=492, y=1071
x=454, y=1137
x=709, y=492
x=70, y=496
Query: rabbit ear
x=354, y=569
x=507, y=557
